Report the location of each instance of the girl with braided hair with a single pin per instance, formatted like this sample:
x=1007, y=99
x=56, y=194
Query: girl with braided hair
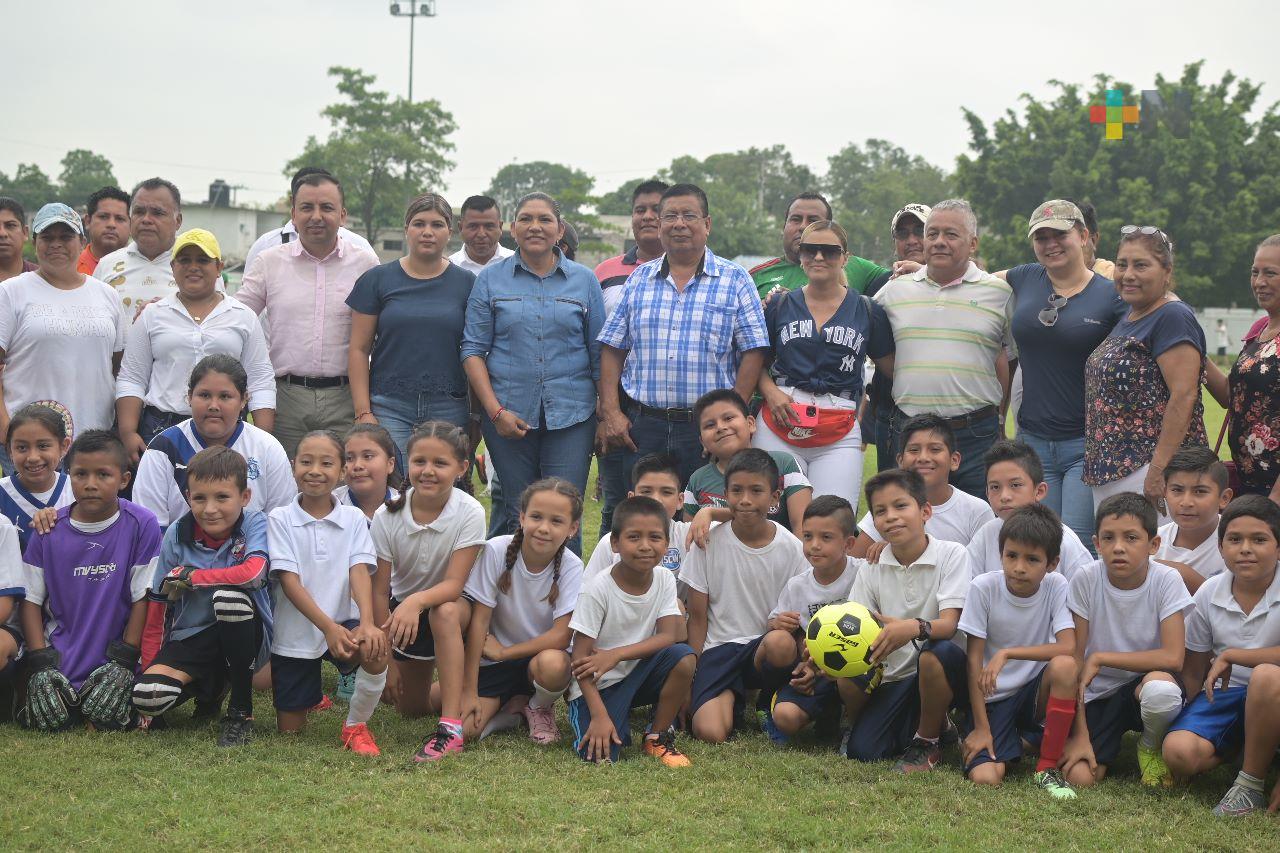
x=523, y=592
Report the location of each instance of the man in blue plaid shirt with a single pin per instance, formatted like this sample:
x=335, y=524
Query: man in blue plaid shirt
x=689, y=322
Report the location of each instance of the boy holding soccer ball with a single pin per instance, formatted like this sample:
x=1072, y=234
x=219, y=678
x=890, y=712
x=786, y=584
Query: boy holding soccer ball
x=917, y=588
x=1021, y=649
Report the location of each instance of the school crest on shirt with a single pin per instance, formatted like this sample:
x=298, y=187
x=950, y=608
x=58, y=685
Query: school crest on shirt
x=671, y=560
x=254, y=468
x=239, y=548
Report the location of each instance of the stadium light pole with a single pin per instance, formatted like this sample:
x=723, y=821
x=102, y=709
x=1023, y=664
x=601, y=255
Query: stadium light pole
x=412, y=10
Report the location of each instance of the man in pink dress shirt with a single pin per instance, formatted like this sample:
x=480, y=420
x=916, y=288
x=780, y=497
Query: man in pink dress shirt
x=303, y=286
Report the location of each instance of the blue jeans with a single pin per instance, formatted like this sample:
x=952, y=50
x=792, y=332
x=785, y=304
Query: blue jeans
x=1068, y=496
x=400, y=413
x=655, y=435
x=972, y=442
x=615, y=481
x=155, y=421
x=543, y=452
x=883, y=437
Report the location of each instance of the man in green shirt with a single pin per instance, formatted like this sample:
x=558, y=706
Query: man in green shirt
x=785, y=272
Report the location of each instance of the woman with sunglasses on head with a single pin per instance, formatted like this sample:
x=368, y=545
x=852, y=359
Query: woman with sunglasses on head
x=820, y=335
x=1143, y=382
x=1063, y=310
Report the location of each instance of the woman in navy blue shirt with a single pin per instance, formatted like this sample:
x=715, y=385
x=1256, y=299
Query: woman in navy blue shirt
x=531, y=355
x=820, y=336
x=1063, y=310
x=410, y=314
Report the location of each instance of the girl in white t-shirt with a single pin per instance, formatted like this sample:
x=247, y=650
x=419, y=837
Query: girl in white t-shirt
x=37, y=440
x=427, y=541
x=370, y=469
x=523, y=592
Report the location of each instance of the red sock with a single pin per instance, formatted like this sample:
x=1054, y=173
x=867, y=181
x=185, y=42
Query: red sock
x=1058, y=716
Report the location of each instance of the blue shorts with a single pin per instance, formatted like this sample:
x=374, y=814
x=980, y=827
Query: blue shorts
x=423, y=646
x=1221, y=722
x=1008, y=718
x=504, y=679
x=824, y=695
x=641, y=687
x=295, y=682
x=888, y=721
x=731, y=666
x=1111, y=716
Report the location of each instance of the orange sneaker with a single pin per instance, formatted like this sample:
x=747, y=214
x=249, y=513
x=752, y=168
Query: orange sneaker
x=324, y=704
x=663, y=747
x=359, y=740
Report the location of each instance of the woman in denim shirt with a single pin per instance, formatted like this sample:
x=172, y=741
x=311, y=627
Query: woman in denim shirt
x=529, y=350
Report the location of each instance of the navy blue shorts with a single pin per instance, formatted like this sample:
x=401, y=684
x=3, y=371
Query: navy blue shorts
x=423, y=646
x=1111, y=716
x=295, y=682
x=640, y=688
x=824, y=695
x=1008, y=718
x=889, y=720
x=504, y=679
x=1221, y=722
x=731, y=666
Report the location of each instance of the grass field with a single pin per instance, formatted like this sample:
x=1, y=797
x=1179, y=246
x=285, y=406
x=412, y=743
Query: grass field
x=176, y=790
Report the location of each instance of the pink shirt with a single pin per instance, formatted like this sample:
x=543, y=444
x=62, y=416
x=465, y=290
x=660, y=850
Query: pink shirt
x=305, y=299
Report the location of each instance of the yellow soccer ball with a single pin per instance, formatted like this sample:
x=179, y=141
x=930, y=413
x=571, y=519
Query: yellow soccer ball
x=839, y=638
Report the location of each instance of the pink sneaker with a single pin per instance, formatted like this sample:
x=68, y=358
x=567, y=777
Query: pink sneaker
x=542, y=724
x=438, y=744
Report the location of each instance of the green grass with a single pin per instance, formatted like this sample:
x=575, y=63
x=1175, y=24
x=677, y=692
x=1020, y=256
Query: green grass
x=175, y=789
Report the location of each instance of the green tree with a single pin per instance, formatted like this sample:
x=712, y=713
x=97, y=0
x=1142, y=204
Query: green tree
x=868, y=184
x=30, y=186
x=618, y=202
x=568, y=186
x=83, y=173
x=384, y=150
x=1215, y=189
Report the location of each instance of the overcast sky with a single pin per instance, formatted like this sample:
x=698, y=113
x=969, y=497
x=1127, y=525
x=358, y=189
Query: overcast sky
x=198, y=91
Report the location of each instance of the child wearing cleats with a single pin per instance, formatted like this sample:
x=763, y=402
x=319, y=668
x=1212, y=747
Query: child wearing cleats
x=1233, y=662
x=625, y=653
x=523, y=592
x=321, y=561
x=1130, y=636
x=1195, y=492
x=1021, y=653
x=208, y=602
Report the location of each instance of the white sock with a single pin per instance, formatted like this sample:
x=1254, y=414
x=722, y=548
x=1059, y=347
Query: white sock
x=365, y=698
x=544, y=698
x=1160, y=703
x=500, y=722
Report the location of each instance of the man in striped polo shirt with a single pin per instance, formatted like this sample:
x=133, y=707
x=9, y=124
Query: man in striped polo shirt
x=951, y=330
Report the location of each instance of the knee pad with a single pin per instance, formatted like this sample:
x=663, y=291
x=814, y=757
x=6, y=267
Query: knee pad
x=1160, y=697
x=233, y=605
x=153, y=695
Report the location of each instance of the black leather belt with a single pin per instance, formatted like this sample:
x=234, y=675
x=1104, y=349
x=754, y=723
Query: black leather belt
x=314, y=381
x=972, y=418
x=669, y=415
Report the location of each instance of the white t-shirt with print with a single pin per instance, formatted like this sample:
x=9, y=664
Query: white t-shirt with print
x=957, y=520
x=803, y=594
x=1219, y=623
x=984, y=551
x=604, y=557
x=522, y=612
x=614, y=619
x=419, y=554
x=1205, y=558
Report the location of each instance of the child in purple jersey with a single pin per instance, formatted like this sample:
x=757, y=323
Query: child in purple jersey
x=86, y=583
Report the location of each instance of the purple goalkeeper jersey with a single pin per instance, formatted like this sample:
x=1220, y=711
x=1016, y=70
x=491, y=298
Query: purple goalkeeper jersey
x=86, y=583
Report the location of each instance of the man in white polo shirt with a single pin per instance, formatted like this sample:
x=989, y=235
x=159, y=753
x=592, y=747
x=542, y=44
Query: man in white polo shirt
x=951, y=330
x=480, y=227
x=142, y=271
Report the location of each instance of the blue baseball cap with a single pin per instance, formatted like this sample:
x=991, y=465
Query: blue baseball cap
x=54, y=213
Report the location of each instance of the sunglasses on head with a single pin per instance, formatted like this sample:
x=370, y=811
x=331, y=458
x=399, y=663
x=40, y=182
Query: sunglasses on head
x=1147, y=231
x=827, y=250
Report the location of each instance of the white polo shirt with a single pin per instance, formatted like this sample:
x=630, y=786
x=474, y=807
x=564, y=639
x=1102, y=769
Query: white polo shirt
x=1218, y=622
x=321, y=552
x=957, y=520
x=1205, y=558
x=938, y=580
x=136, y=278
x=276, y=236
x=984, y=551
x=165, y=343
x=462, y=259
x=419, y=553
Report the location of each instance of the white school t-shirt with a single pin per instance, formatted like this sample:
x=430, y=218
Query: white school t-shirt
x=58, y=346
x=614, y=619
x=1007, y=621
x=1124, y=620
x=522, y=612
x=1218, y=622
x=604, y=557
x=321, y=552
x=419, y=554
x=984, y=551
x=956, y=520
x=1205, y=558
x=742, y=584
x=803, y=594
x=938, y=580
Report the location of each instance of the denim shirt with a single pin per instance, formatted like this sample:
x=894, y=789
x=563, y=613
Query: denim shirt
x=538, y=337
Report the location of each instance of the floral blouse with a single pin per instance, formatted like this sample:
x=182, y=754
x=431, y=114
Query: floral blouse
x=1126, y=395
x=1254, y=431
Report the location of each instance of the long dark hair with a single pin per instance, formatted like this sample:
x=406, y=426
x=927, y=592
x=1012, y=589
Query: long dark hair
x=450, y=434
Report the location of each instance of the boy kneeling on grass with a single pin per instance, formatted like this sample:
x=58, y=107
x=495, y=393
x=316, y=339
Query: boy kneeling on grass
x=1233, y=643
x=1022, y=666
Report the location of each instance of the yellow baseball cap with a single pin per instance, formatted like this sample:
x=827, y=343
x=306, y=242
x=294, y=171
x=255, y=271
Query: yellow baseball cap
x=202, y=239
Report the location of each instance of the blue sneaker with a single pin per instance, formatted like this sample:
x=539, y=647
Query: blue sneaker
x=770, y=728
x=346, y=686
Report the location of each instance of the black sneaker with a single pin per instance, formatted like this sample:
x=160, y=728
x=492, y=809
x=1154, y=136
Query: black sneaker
x=236, y=731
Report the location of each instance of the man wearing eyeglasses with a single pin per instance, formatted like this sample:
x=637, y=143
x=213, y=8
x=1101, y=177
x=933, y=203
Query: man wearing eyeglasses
x=142, y=271
x=689, y=322
x=951, y=328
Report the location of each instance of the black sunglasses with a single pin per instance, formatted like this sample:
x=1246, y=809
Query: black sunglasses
x=826, y=250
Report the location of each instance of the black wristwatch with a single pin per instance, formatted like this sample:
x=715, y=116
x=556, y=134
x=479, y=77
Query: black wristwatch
x=926, y=630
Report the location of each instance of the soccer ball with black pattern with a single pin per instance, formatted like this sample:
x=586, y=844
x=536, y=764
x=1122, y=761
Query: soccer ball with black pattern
x=839, y=638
